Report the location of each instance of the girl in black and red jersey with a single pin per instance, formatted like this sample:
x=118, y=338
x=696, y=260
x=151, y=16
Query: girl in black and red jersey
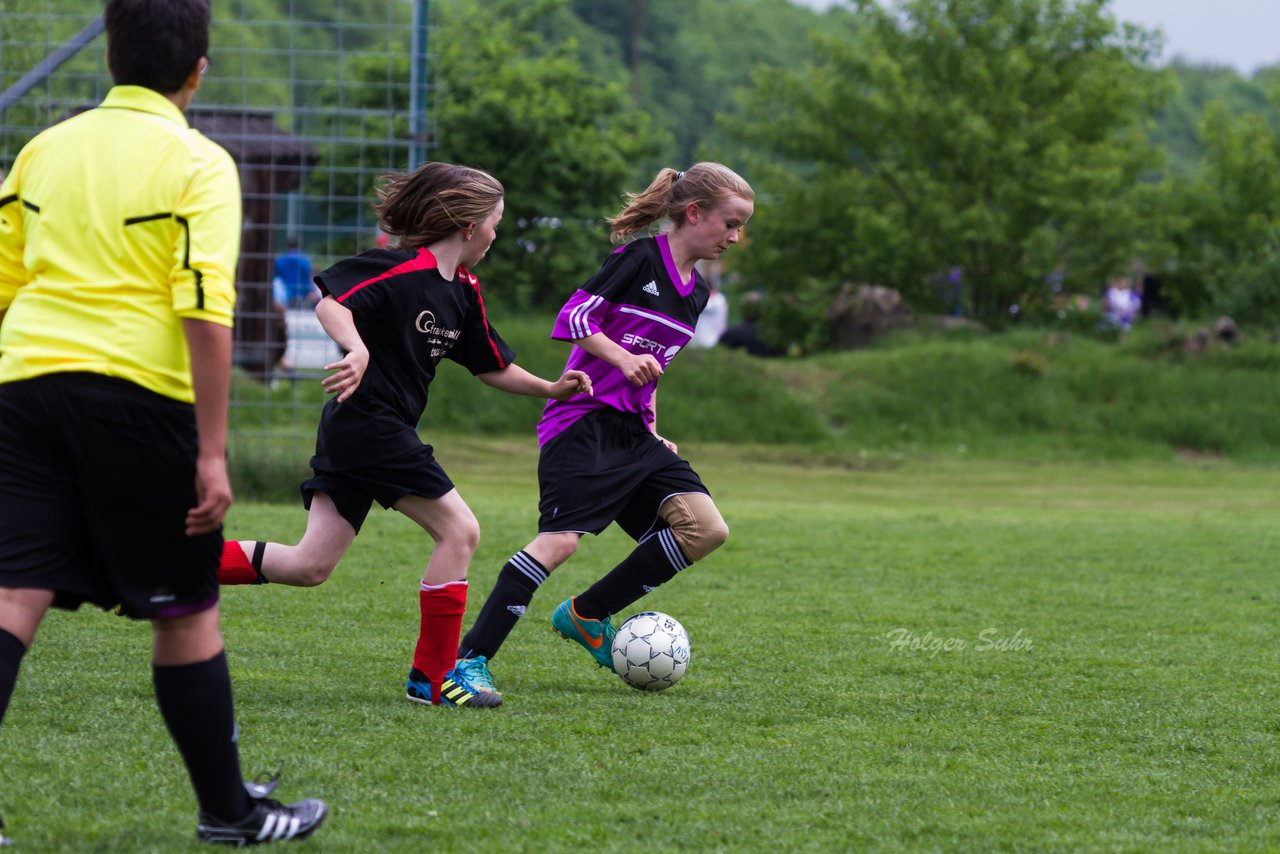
x=396, y=313
x=602, y=459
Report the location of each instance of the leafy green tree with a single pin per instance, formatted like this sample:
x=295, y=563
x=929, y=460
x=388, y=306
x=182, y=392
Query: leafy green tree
x=563, y=144
x=1178, y=123
x=27, y=38
x=683, y=61
x=1228, y=240
x=504, y=100
x=1005, y=137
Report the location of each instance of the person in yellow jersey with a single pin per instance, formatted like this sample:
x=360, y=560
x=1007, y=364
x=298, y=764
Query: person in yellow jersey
x=119, y=234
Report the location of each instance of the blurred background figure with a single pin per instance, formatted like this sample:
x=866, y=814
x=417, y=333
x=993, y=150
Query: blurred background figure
x=1121, y=303
x=292, y=286
x=713, y=321
x=949, y=286
x=746, y=333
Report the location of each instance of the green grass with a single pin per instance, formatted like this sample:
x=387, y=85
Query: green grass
x=1033, y=393
x=1132, y=708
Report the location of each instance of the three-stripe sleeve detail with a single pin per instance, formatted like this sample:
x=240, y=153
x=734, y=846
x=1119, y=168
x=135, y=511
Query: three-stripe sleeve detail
x=579, y=316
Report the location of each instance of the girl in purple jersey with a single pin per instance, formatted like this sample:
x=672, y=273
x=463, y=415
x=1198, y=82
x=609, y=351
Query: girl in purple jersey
x=602, y=458
x=397, y=313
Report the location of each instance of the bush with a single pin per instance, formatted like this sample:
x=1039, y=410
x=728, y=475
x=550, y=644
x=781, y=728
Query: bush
x=1030, y=392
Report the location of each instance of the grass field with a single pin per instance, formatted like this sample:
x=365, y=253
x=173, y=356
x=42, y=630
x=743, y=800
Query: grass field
x=932, y=655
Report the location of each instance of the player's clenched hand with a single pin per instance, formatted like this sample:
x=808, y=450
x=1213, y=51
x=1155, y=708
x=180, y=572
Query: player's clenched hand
x=668, y=443
x=573, y=382
x=640, y=369
x=213, y=496
x=347, y=374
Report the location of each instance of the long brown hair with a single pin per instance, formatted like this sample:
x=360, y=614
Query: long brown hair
x=706, y=183
x=434, y=201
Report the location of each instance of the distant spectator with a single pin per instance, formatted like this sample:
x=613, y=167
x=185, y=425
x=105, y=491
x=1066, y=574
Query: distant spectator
x=1152, y=291
x=949, y=286
x=1121, y=303
x=746, y=334
x=292, y=286
x=713, y=321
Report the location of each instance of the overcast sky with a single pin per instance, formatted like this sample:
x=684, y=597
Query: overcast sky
x=1241, y=33
x=1244, y=34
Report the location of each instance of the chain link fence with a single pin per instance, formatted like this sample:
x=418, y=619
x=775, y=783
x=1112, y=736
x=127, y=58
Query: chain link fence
x=314, y=101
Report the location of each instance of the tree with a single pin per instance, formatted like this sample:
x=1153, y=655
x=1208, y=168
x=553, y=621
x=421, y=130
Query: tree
x=28, y=38
x=1178, y=122
x=1006, y=137
x=684, y=60
x=1228, y=240
x=564, y=145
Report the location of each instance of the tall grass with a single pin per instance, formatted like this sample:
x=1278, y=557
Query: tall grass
x=1025, y=393
x=1050, y=394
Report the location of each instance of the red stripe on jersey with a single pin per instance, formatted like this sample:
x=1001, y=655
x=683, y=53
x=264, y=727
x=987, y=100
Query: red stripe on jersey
x=424, y=260
x=493, y=345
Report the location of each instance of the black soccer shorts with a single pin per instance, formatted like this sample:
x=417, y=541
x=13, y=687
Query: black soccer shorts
x=609, y=467
x=96, y=477
x=353, y=492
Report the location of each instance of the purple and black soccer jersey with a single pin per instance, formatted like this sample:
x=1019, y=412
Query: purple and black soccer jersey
x=638, y=300
x=409, y=317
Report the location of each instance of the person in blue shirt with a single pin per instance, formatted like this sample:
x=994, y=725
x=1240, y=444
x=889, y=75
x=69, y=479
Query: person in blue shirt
x=293, y=286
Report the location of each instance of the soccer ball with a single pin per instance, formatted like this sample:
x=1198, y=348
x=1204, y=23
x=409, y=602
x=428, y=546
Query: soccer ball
x=651, y=651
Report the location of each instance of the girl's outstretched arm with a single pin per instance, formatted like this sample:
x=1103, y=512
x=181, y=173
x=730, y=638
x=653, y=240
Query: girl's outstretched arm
x=516, y=380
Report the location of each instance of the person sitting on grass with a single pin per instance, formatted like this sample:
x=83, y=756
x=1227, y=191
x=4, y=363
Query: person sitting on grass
x=396, y=313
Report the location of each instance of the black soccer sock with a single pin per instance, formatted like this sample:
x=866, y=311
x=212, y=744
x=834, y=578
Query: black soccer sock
x=195, y=701
x=11, y=652
x=651, y=564
x=518, y=580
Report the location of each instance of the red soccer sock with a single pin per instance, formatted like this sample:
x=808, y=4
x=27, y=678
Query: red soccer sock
x=442, y=607
x=235, y=566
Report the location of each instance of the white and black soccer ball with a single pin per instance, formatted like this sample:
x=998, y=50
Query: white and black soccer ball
x=651, y=651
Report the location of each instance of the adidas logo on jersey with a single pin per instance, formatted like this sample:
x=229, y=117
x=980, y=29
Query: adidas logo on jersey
x=651, y=288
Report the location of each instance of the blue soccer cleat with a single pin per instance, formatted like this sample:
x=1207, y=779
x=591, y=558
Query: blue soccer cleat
x=475, y=671
x=595, y=636
x=455, y=690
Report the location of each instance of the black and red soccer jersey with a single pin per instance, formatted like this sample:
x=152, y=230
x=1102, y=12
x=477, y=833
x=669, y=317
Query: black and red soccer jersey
x=409, y=317
x=639, y=301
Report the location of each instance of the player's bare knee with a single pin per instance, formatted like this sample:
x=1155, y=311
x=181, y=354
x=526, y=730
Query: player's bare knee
x=551, y=550
x=466, y=540
x=460, y=539
x=315, y=574
x=695, y=523
x=561, y=551
x=469, y=533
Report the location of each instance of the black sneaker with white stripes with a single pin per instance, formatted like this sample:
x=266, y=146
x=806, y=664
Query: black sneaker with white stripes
x=270, y=821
